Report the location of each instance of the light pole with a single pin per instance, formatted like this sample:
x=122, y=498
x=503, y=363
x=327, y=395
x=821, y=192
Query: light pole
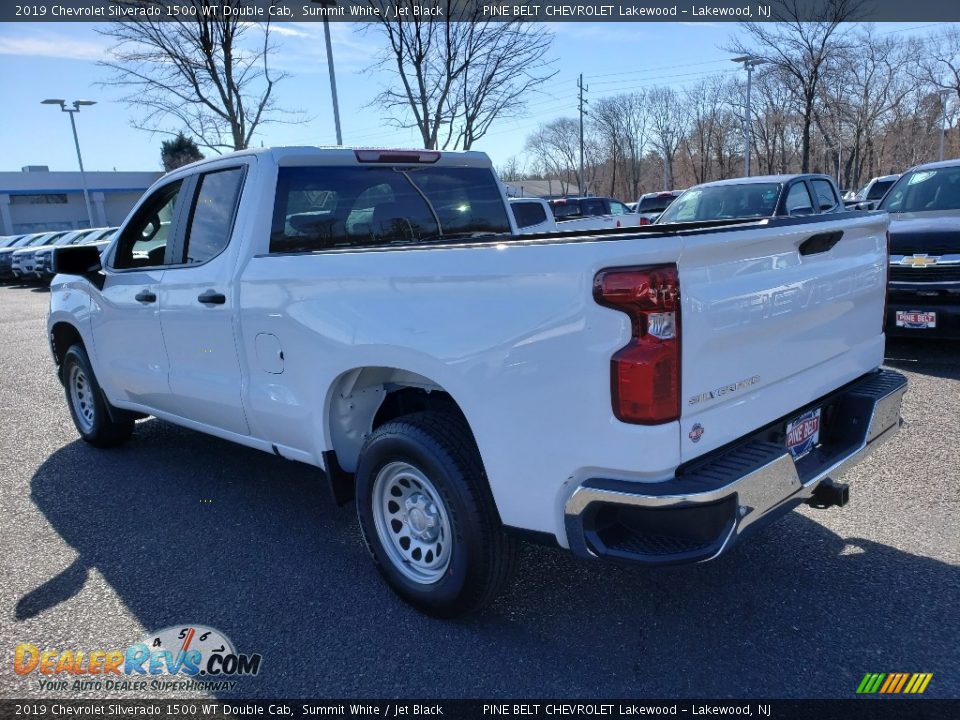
x=749, y=62
x=333, y=77
x=77, y=104
x=944, y=94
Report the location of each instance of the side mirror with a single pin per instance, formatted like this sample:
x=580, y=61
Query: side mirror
x=801, y=211
x=80, y=260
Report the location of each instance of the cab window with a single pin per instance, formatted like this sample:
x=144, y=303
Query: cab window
x=144, y=239
x=798, y=200
x=826, y=200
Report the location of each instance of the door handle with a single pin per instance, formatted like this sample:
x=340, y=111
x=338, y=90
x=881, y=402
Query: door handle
x=145, y=296
x=820, y=243
x=211, y=297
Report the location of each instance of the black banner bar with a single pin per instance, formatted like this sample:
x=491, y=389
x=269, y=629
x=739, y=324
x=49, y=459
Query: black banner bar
x=853, y=709
x=471, y=10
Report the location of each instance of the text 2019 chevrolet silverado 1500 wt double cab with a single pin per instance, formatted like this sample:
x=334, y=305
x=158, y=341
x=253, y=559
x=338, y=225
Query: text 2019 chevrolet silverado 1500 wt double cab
x=645, y=394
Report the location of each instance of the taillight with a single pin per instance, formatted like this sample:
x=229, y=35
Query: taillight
x=645, y=373
x=644, y=221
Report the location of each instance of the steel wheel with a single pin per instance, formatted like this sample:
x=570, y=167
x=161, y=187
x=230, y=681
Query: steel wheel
x=81, y=396
x=412, y=522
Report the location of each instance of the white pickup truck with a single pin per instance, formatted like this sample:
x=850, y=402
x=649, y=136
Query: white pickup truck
x=535, y=215
x=644, y=394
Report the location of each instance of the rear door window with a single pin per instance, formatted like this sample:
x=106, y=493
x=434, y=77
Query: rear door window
x=212, y=215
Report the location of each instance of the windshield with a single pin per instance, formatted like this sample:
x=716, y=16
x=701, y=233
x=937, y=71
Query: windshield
x=719, y=202
x=319, y=208
x=925, y=191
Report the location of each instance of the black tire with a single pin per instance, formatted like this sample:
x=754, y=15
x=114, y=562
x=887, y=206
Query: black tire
x=482, y=556
x=98, y=423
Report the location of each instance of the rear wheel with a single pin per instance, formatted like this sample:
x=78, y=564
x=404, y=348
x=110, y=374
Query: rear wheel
x=427, y=516
x=97, y=422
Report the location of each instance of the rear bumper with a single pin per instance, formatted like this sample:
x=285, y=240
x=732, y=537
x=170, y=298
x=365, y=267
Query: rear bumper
x=701, y=512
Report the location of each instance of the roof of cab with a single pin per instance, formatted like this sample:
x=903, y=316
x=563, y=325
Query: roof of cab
x=756, y=179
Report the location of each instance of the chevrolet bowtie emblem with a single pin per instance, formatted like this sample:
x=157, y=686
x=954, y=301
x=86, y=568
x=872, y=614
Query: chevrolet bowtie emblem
x=919, y=261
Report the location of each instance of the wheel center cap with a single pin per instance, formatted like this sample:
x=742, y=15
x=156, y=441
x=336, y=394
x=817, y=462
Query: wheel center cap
x=418, y=520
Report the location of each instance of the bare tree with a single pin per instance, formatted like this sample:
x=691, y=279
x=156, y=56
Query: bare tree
x=800, y=50
x=511, y=170
x=556, y=149
x=205, y=71
x=456, y=74
x=668, y=123
x=939, y=64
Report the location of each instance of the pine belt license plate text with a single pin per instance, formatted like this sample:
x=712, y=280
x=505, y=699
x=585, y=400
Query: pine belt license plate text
x=803, y=433
x=915, y=320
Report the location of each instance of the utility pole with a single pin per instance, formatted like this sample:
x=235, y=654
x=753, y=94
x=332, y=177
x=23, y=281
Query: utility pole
x=749, y=63
x=666, y=159
x=581, y=88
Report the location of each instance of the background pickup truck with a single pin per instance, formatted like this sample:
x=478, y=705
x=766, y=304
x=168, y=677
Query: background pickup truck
x=647, y=394
x=535, y=215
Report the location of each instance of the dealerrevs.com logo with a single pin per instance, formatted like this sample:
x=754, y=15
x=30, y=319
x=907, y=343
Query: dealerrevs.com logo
x=186, y=657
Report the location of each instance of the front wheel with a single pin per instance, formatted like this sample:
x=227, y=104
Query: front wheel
x=97, y=423
x=427, y=516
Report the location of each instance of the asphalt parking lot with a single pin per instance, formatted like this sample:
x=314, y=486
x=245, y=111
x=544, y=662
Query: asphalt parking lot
x=102, y=547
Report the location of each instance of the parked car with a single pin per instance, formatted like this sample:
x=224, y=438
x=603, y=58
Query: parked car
x=576, y=208
x=22, y=261
x=924, y=275
x=8, y=240
x=374, y=313
x=651, y=205
x=764, y=196
x=41, y=257
x=532, y=215
x=870, y=195
x=7, y=253
x=535, y=215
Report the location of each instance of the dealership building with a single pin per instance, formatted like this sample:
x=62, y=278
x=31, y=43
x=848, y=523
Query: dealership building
x=37, y=200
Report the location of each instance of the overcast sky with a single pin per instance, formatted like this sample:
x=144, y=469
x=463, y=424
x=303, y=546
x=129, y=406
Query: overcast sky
x=58, y=60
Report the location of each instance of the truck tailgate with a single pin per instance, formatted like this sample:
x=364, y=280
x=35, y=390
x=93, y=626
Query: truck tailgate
x=774, y=318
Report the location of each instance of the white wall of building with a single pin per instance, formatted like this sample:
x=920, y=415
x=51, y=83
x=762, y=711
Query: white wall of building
x=40, y=200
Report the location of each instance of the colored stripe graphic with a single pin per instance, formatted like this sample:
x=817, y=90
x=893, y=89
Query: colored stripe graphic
x=903, y=680
x=893, y=683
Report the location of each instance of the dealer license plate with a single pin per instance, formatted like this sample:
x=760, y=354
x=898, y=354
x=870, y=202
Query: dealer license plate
x=915, y=320
x=803, y=433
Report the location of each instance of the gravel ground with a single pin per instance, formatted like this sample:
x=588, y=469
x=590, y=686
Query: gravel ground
x=100, y=548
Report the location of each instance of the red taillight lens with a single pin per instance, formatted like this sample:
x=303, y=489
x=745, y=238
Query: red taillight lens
x=644, y=221
x=645, y=374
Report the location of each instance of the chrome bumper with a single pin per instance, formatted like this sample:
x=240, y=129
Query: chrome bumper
x=698, y=514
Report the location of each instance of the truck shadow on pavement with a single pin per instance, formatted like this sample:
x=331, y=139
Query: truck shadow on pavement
x=937, y=358
x=190, y=529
